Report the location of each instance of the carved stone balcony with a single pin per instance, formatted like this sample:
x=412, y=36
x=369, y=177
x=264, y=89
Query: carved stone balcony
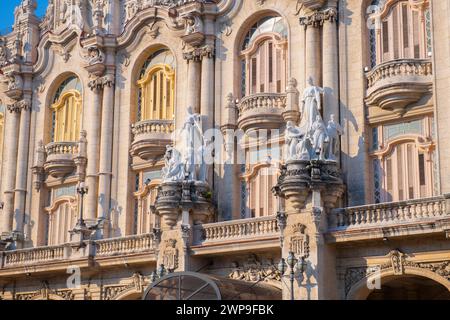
x=45, y=259
x=394, y=85
x=406, y=218
x=262, y=111
x=151, y=138
x=60, y=158
x=251, y=233
x=126, y=245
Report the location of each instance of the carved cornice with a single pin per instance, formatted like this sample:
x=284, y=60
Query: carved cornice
x=318, y=18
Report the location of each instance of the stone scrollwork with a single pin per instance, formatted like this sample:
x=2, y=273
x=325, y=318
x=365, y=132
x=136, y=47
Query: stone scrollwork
x=398, y=262
x=3, y=53
x=318, y=17
x=171, y=254
x=253, y=270
x=45, y=293
x=299, y=241
x=137, y=283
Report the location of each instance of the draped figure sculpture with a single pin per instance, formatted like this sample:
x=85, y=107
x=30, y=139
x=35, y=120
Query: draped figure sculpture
x=192, y=140
x=173, y=170
x=296, y=143
x=311, y=106
x=187, y=160
x=334, y=130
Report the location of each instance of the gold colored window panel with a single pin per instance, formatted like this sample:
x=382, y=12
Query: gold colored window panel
x=67, y=117
x=158, y=93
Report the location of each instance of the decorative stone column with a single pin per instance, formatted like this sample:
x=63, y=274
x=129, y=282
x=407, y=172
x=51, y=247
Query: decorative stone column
x=330, y=64
x=93, y=112
x=193, y=59
x=22, y=168
x=312, y=23
x=105, y=166
x=311, y=189
x=228, y=201
x=10, y=153
x=207, y=89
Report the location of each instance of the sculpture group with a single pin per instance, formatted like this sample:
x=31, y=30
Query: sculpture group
x=312, y=139
x=187, y=160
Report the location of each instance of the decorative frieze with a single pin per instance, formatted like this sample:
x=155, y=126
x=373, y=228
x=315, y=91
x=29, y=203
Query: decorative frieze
x=253, y=270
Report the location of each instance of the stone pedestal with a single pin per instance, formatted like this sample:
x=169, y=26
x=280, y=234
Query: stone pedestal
x=180, y=205
x=310, y=189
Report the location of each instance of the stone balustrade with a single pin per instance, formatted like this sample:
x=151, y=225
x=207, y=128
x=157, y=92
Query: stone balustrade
x=33, y=256
x=396, y=68
x=262, y=111
x=126, y=245
x=244, y=229
x=96, y=249
x=393, y=85
x=151, y=137
x=388, y=213
x=153, y=126
x=60, y=158
x=58, y=148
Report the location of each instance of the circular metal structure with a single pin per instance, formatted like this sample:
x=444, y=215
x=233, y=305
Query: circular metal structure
x=197, y=286
x=183, y=286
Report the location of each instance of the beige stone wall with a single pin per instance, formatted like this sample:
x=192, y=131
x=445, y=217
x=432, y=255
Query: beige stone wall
x=441, y=34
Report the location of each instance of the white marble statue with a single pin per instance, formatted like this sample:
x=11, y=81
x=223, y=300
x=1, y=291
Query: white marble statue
x=173, y=170
x=192, y=139
x=293, y=139
x=319, y=137
x=206, y=152
x=311, y=106
x=334, y=130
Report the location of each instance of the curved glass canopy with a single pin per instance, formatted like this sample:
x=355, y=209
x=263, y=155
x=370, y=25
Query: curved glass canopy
x=196, y=286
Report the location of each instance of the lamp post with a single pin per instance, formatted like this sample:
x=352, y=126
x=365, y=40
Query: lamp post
x=82, y=190
x=294, y=265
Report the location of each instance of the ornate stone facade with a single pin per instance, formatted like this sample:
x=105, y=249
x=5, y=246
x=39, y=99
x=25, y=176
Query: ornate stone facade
x=145, y=138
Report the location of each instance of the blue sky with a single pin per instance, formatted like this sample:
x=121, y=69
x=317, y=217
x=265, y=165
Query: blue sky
x=7, y=12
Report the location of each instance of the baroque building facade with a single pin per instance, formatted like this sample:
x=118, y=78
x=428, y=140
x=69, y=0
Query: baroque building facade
x=326, y=125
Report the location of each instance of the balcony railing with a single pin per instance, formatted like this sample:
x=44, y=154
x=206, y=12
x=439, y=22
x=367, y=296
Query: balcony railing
x=237, y=230
x=127, y=245
x=393, y=85
x=60, y=158
x=389, y=214
x=33, y=256
x=151, y=137
x=61, y=148
x=262, y=111
x=95, y=249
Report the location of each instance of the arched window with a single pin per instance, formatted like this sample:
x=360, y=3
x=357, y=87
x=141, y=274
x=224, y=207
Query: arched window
x=259, y=175
x=62, y=214
x=404, y=165
x=156, y=96
x=67, y=111
x=147, y=184
x=263, y=57
x=401, y=30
